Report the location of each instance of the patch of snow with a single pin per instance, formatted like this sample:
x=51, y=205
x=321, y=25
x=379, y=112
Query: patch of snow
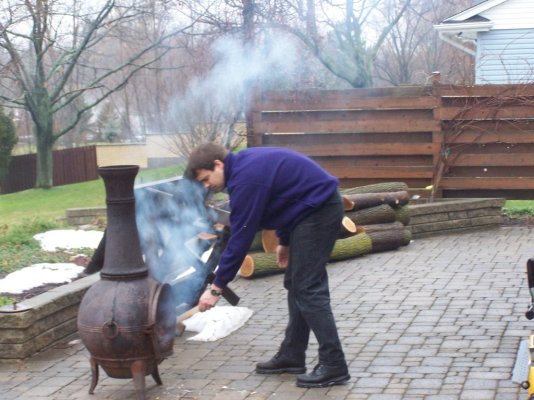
x=37, y=275
x=68, y=239
x=40, y=274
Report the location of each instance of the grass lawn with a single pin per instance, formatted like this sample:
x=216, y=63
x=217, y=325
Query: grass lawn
x=519, y=207
x=21, y=207
x=26, y=213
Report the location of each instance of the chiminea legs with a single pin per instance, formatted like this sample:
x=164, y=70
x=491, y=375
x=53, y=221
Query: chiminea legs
x=139, y=371
x=156, y=377
x=94, y=373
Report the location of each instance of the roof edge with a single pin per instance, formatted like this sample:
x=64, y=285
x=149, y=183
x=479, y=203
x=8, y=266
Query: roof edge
x=472, y=11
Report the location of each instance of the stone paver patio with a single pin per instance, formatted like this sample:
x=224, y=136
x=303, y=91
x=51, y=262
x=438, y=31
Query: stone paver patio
x=440, y=319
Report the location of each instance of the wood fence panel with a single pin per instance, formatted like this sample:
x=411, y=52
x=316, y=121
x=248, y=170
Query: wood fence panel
x=70, y=166
x=344, y=100
x=466, y=140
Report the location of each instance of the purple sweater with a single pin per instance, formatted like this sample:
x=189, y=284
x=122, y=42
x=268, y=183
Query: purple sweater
x=269, y=188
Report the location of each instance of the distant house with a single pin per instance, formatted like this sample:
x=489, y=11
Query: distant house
x=500, y=35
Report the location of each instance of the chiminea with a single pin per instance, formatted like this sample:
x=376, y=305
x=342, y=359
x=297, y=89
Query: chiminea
x=126, y=320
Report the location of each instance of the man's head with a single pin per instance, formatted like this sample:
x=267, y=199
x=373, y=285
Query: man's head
x=206, y=165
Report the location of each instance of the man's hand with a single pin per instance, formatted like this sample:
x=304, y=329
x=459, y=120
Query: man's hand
x=208, y=300
x=282, y=256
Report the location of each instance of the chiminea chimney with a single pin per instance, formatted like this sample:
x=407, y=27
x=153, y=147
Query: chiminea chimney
x=127, y=320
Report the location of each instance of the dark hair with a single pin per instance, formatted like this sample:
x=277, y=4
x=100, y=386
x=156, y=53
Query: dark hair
x=203, y=157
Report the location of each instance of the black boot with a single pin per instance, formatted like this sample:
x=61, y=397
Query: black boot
x=323, y=376
x=281, y=363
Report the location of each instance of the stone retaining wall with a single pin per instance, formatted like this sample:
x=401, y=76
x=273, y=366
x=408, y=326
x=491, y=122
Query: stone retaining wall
x=42, y=320
x=454, y=215
x=85, y=216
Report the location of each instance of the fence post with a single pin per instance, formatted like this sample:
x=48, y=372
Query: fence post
x=437, y=138
x=253, y=115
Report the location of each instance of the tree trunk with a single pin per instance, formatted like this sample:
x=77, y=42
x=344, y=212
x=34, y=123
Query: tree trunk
x=259, y=264
x=374, y=215
x=44, y=136
x=256, y=243
x=402, y=214
x=382, y=227
x=377, y=188
x=389, y=240
x=367, y=200
x=353, y=246
x=348, y=205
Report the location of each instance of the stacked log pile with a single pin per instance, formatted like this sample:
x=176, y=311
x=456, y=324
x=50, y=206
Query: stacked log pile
x=376, y=219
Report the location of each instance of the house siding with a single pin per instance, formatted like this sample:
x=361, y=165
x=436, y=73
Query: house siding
x=505, y=56
x=512, y=14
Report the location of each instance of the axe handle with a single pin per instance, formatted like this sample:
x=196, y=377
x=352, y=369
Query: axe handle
x=189, y=313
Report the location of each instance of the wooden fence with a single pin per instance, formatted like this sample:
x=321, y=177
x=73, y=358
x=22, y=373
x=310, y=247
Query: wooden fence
x=465, y=141
x=70, y=166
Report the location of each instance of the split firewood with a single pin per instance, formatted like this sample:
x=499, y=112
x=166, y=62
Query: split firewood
x=348, y=228
x=389, y=239
x=377, y=188
x=373, y=215
x=367, y=200
x=353, y=246
x=382, y=227
x=402, y=214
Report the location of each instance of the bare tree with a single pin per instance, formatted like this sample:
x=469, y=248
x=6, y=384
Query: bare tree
x=412, y=51
x=47, y=49
x=336, y=33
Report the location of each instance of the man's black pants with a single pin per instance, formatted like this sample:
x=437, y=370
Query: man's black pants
x=306, y=281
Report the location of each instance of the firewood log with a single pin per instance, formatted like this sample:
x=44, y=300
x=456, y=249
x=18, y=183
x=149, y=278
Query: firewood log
x=256, y=243
x=389, y=240
x=402, y=214
x=348, y=205
x=377, y=188
x=407, y=236
x=373, y=215
x=367, y=200
x=351, y=247
x=259, y=264
x=265, y=240
x=381, y=227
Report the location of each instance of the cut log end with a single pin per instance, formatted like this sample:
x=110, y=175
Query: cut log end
x=348, y=205
x=247, y=267
x=348, y=227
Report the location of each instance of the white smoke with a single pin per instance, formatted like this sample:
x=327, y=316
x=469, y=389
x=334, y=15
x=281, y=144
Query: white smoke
x=170, y=216
x=219, y=97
